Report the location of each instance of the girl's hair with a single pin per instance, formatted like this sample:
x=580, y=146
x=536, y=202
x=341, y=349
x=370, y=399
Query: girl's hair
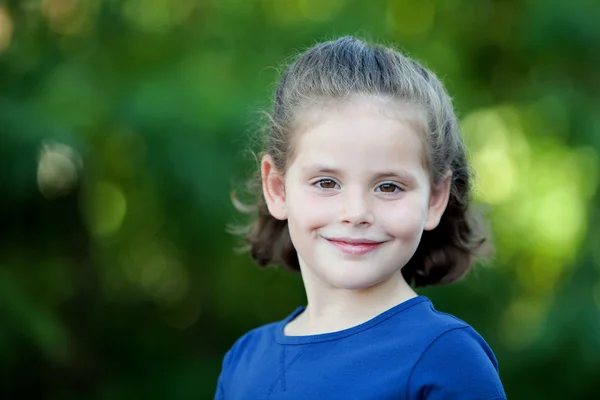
x=334, y=71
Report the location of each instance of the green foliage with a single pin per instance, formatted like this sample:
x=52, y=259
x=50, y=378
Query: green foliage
x=123, y=128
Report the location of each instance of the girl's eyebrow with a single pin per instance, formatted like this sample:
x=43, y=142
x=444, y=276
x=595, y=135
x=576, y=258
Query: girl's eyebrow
x=405, y=176
x=322, y=169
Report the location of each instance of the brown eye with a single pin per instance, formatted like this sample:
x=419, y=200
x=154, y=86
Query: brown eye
x=388, y=188
x=326, y=184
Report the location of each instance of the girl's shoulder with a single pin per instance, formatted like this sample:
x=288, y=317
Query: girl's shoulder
x=424, y=320
x=257, y=339
x=435, y=325
x=458, y=361
x=455, y=357
x=254, y=336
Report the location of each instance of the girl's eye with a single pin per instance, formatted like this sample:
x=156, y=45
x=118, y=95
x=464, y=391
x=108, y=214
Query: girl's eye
x=388, y=188
x=326, y=184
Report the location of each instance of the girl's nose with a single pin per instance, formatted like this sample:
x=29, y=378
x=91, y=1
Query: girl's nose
x=355, y=209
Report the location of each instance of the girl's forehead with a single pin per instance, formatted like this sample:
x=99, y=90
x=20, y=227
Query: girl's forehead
x=380, y=130
x=359, y=141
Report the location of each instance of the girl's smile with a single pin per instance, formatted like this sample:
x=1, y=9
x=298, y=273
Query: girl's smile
x=355, y=247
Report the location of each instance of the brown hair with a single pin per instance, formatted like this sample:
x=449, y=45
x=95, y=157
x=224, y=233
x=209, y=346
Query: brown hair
x=336, y=70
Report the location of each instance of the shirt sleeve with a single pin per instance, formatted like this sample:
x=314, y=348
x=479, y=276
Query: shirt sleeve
x=220, y=393
x=457, y=365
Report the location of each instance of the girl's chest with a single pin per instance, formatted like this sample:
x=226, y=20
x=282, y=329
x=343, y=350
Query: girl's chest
x=322, y=372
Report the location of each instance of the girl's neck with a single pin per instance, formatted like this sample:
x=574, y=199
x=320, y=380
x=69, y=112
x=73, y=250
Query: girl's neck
x=338, y=309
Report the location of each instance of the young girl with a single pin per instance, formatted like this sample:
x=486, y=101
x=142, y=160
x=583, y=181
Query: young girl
x=365, y=191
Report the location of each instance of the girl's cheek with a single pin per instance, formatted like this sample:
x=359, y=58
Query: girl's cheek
x=310, y=207
x=403, y=215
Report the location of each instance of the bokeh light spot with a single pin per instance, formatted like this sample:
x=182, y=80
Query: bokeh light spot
x=499, y=151
x=497, y=174
x=158, y=16
x=70, y=17
x=559, y=217
x=183, y=315
x=105, y=208
x=522, y=320
x=154, y=267
x=58, y=169
x=540, y=275
x=6, y=29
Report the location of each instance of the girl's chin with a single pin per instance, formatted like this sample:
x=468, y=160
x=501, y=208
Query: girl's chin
x=360, y=281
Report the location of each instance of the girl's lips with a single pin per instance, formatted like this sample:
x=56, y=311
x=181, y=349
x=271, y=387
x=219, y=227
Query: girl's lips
x=355, y=249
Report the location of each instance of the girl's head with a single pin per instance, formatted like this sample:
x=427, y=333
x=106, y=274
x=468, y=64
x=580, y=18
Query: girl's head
x=363, y=172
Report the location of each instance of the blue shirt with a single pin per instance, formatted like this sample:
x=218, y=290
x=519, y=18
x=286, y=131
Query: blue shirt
x=410, y=351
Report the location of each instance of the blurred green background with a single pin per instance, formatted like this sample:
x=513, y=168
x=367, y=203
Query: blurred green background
x=124, y=127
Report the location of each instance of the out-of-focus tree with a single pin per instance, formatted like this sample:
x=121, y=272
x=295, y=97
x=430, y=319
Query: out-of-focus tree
x=123, y=129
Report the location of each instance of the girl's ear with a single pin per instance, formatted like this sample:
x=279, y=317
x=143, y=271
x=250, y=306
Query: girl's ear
x=273, y=184
x=438, y=201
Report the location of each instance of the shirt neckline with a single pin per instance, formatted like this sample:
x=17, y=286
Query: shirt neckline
x=281, y=338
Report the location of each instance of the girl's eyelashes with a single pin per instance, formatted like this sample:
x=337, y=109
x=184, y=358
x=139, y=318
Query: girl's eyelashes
x=326, y=184
x=389, y=187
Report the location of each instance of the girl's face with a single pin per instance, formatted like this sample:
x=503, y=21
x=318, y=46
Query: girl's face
x=356, y=196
